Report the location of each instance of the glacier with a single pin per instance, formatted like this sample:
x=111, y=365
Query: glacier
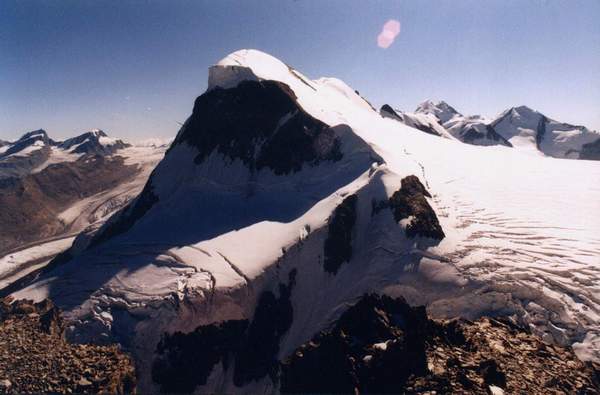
x=209, y=234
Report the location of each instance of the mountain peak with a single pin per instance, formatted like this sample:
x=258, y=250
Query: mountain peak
x=40, y=133
x=95, y=141
x=245, y=64
x=523, y=113
x=433, y=103
x=254, y=65
x=442, y=110
x=98, y=133
x=29, y=142
x=386, y=108
x=523, y=109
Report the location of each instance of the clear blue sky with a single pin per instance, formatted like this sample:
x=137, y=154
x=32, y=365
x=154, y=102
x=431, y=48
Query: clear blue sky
x=133, y=68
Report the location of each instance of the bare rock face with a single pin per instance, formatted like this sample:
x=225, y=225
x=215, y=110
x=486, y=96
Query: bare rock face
x=186, y=360
x=250, y=347
x=409, y=203
x=382, y=345
x=374, y=347
x=338, y=244
x=261, y=123
x=590, y=151
x=35, y=357
x=475, y=131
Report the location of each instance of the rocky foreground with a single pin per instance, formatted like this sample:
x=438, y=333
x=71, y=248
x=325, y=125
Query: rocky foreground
x=35, y=357
x=379, y=345
x=382, y=345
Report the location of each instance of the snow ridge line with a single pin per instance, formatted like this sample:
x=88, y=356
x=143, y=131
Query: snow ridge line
x=235, y=268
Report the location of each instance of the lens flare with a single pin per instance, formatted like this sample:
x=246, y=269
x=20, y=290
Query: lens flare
x=388, y=34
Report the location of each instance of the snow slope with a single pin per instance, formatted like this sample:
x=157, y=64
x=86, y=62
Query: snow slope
x=20, y=263
x=213, y=231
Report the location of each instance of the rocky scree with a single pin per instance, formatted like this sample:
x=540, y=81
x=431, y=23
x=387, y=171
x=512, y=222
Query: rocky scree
x=382, y=345
x=35, y=357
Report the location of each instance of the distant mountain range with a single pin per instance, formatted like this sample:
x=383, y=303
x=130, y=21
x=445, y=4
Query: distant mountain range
x=51, y=190
x=35, y=150
x=519, y=127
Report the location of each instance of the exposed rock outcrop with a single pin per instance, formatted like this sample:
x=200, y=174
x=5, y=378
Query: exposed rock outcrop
x=412, y=210
x=184, y=361
x=234, y=122
x=473, y=130
x=338, y=244
x=382, y=345
x=35, y=357
x=591, y=151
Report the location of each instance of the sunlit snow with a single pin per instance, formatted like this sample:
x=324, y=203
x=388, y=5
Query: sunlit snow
x=523, y=236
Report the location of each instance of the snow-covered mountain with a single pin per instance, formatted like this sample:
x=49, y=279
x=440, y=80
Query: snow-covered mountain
x=93, y=142
x=528, y=129
x=425, y=122
x=28, y=143
x=50, y=191
x=283, y=200
x=440, y=109
x=446, y=121
x=35, y=151
x=520, y=127
x=440, y=119
x=20, y=157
